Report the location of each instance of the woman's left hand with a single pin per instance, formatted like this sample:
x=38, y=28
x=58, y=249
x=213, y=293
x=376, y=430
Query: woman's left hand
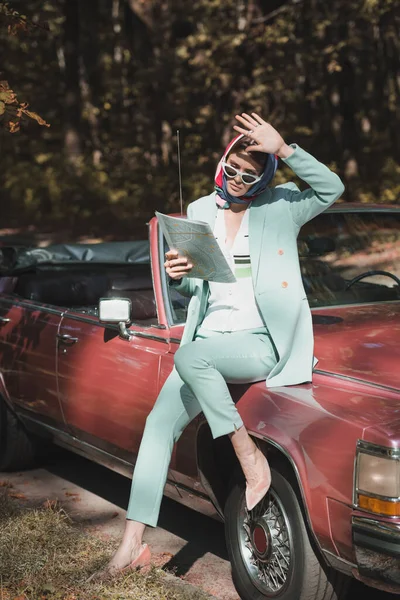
x=266, y=138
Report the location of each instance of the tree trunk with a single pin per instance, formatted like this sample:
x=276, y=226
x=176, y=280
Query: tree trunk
x=72, y=99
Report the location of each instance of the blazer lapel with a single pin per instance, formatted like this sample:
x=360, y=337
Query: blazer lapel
x=209, y=210
x=258, y=211
x=208, y=213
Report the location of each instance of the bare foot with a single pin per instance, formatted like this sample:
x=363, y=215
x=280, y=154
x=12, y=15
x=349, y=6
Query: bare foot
x=254, y=466
x=256, y=469
x=259, y=481
x=127, y=553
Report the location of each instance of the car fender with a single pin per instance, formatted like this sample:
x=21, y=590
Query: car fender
x=318, y=443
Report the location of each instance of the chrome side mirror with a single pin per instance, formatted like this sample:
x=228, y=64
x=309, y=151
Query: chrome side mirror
x=116, y=310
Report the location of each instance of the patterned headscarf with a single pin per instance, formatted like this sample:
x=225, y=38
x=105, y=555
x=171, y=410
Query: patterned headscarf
x=224, y=199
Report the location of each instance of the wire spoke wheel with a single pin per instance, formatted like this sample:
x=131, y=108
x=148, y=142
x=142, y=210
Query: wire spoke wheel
x=266, y=544
x=270, y=550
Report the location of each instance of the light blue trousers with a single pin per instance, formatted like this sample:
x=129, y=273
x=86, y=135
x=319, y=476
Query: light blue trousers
x=198, y=383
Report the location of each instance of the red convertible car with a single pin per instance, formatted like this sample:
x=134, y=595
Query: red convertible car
x=87, y=338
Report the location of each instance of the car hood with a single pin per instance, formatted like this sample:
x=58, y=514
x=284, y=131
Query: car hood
x=361, y=342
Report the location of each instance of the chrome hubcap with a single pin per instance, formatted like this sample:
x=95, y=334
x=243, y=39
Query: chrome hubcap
x=266, y=545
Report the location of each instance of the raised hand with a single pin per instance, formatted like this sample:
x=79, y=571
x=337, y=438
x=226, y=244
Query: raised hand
x=265, y=137
x=175, y=265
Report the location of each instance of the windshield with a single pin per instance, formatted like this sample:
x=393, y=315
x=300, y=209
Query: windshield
x=337, y=248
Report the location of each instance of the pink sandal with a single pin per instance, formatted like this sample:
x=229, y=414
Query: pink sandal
x=142, y=560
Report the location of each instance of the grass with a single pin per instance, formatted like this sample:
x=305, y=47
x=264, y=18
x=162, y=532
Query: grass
x=45, y=556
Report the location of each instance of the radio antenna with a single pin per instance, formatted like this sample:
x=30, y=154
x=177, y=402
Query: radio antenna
x=179, y=170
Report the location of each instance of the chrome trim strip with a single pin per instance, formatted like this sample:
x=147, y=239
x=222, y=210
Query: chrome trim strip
x=355, y=379
x=119, y=465
x=377, y=450
x=82, y=319
x=46, y=308
x=339, y=208
x=391, y=529
x=148, y=336
x=355, y=475
x=152, y=274
x=133, y=332
x=175, y=341
x=339, y=563
x=355, y=305
x=163, y=278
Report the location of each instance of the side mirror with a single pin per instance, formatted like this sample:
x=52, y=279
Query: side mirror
x=116, y=310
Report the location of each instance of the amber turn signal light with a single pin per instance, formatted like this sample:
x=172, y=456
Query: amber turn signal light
x=379, y=507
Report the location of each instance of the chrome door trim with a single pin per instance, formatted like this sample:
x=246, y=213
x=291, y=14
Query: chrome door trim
x=82, y=319
x=134, y=333
x=46, y=308
x=176, y=491
x=163, y=279
x=356, y=380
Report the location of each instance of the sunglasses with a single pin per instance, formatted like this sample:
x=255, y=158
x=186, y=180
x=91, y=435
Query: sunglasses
x=247, y=178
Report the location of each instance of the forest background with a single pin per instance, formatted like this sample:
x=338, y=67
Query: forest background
x=116, y=79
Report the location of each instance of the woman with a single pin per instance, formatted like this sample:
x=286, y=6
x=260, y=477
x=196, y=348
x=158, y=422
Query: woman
x=258, y=328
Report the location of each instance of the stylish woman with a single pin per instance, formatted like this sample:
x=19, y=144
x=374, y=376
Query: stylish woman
x=258, y=328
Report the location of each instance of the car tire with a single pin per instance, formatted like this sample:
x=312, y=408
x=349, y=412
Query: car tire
x=270, y=550
x=17, y=448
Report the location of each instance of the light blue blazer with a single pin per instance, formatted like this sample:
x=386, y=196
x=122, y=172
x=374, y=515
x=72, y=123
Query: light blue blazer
x=275, y=219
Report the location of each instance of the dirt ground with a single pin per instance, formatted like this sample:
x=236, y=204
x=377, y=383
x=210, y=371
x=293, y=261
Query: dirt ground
x=185, y=542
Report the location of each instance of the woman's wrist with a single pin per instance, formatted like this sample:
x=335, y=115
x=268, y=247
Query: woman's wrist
x=285, y=151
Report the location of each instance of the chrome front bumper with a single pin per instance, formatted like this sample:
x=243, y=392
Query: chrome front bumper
x=377, y=550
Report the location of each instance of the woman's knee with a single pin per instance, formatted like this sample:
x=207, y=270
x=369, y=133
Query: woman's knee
x=187, y=359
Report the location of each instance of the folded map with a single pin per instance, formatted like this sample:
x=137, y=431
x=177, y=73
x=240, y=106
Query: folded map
x=196, y=241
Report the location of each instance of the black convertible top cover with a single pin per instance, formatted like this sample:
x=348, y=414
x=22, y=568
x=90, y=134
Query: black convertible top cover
x=17, y=258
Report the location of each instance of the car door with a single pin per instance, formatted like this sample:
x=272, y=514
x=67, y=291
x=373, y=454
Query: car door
x=28, y=333
x=107, y=384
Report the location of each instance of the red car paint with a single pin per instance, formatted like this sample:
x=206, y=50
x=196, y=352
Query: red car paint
x=101, y=389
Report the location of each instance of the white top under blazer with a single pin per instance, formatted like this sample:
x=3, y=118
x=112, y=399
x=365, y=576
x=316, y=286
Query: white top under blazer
x=232, y=306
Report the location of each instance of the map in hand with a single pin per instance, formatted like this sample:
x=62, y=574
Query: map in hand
x=195, y=240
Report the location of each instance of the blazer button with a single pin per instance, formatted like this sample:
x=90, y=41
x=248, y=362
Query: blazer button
x=284, y=284
x=280, y=251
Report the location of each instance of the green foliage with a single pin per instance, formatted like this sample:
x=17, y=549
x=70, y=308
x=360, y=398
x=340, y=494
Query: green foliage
x=117, y=79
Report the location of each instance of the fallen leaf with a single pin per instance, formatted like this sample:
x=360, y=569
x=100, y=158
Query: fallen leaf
x=71, y=494
x=17, y=495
